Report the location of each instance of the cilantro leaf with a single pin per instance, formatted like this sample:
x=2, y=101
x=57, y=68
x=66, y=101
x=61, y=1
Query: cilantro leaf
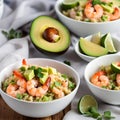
x=107, y=115
x=94, y=2
x=67, y=62
x=11, y=34
x=38, y=72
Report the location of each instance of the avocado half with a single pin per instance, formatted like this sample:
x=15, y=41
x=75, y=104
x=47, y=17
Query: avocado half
x=38, y=27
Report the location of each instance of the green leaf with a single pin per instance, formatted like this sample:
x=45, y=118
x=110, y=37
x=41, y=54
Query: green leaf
x=93, y=109
x=11, y=34
x=94, y=2
x=88, y=114
x=64, y=76
x=57, y=83
x=32, y=68
x=12, y=82
x=67, y=62
x=38, y=72
x=94, y=112
x=107, y=115
x=71, y=85
x=19, y=96
x=40, y=75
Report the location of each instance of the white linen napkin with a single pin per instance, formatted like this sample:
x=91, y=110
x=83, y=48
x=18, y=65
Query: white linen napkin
x=16, y=15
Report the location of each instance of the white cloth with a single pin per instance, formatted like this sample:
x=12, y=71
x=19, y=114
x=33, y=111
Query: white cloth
x=17, y=16
x=23, y=12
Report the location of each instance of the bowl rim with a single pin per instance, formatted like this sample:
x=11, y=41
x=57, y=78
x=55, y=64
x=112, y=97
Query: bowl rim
x=48, y=102
x=87, y=79
x=57, y=9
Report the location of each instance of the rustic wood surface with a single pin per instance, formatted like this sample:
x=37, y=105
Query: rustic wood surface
x=6, y=113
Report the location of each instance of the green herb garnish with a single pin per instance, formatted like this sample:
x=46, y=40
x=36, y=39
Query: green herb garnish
x=67, y=62
x=12, y=34
x=19, y=96
x=93, y=112
x=38, y=72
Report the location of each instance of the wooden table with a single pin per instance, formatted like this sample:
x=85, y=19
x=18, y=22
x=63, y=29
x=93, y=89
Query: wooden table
x=6, y=113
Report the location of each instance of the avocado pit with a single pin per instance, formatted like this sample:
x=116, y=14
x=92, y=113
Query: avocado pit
x=51, y=34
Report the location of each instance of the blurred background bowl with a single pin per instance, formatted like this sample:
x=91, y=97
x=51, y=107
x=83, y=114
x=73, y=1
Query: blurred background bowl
x=39, y=109
x=81, y=28
x=107, y=96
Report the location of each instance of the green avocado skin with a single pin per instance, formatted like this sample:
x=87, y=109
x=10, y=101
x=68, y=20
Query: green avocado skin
x=59, y=47
x=50, y=53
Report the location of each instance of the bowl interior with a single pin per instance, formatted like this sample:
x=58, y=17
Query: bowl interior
x=97, y=63
x=61, y=67
x=82, y=28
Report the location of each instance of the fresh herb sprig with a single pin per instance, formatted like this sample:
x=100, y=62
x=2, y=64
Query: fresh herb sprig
x=93, y=112
x=38, y=72
x=67, y=62
x=94, y=2
x=11, y=34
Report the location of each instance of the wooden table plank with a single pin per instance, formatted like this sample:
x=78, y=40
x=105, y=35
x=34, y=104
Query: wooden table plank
x=6, y=113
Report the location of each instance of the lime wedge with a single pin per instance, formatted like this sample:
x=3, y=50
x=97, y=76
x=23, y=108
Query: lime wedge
x=86, y=102
x=68, y=4
x=96, y=38
x=91, y=49
x=107, y=42
x=116, y=67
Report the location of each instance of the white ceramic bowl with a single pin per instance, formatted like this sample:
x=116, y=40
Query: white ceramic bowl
x=87, y=58
x=39, y=109
x=83, y=29
x=108, y=96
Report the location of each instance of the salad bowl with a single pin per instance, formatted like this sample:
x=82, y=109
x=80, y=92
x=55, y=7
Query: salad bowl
x=39, y=109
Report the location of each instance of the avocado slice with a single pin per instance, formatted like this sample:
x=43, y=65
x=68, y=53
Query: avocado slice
x=44, y=26
x=107, y=8
x=44, y=78
x=52, y=70
x=91, y=49
x=29, y=74
x=115, y=67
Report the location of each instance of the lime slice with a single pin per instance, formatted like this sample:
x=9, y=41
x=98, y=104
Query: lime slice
x=107, y=42
x=116, y=67
x=86, y=102
x=91, y=49
x=96, y=38
x=68, y=4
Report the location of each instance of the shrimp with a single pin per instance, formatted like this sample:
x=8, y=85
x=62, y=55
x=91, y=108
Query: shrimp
x=18, y=74
x=118, y=79
x=93, y=13
x=24, y=62
x=40, y=91
x=100, y=79
x=58, y=92
x=115, y=15
x=18, y=88
x=65, y=83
